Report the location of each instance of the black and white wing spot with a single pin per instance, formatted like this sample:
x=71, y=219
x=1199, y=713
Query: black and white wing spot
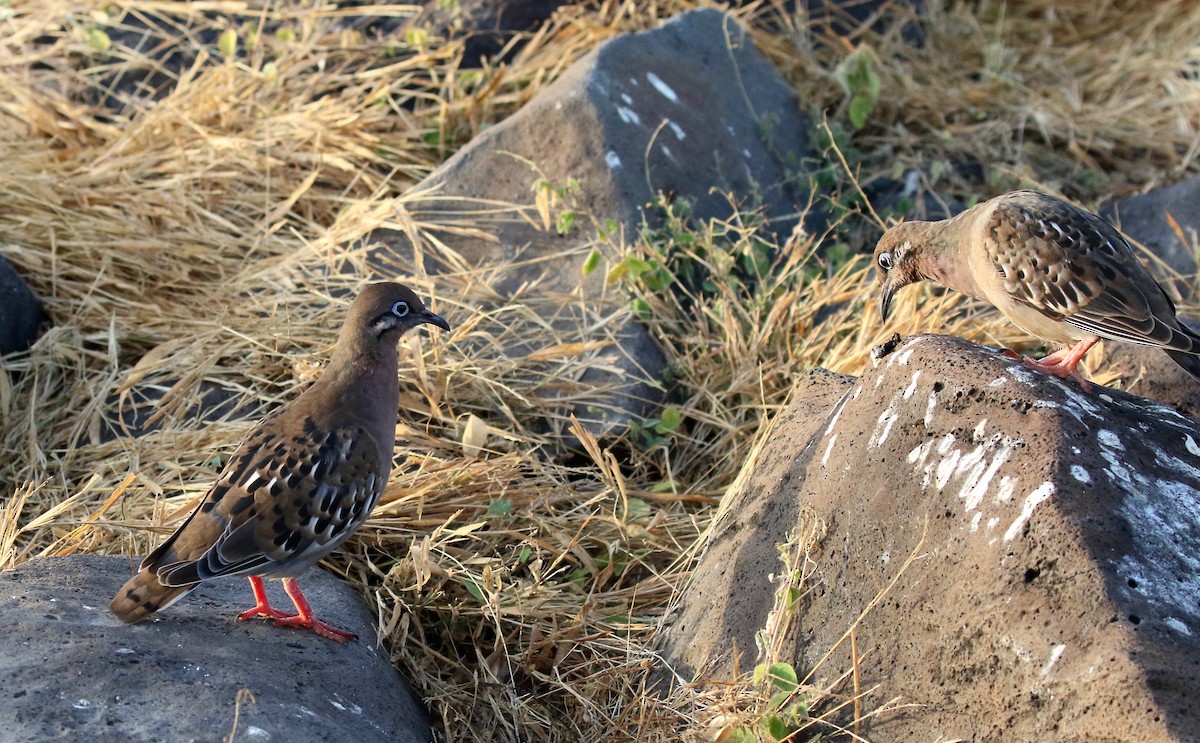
x=340, y=470
x=284, y=511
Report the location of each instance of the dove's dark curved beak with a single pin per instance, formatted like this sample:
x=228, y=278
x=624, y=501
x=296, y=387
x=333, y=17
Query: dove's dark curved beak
x=432, y=319
x=885, y=300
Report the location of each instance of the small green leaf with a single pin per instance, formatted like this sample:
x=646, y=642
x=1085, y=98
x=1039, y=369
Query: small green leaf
x=657, y=280
x=776, y=727
x=501, y=507
x=860, y=110
x=638, y=509
x=783, y=677
x=524, y=554
x=474, y=589
x=761, y=255
x=286, y=35
x=565, y=222
x=655, y=442
x=778, y=699
x=641, y=308
x=638, y=266
x=250, y=33
x=743, y=735
x=630, y=267
x=669, y=420
x=760, y=673
x=799, y=707
x=98, y=39
x=857, y=74
x=228, y=42
x=592, y=262
x=270, y=71
x=416, y=37
x=760, y=643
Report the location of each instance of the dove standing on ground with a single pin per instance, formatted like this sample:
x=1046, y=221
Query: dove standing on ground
x=1056, y=271
x=301, y=482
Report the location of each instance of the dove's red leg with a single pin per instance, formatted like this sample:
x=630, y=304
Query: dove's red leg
x=262, y=607
x=304, y=617
x=1062, y=363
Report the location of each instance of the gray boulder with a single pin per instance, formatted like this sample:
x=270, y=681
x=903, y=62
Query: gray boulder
x=1147, y=218
x=71, y=671
x=1018, y=560
x=690, y=109
x=490, y=29
x=20, y=311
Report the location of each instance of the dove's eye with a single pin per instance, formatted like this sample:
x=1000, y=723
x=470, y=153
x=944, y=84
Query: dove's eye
x=400, y=309
x=885, y=261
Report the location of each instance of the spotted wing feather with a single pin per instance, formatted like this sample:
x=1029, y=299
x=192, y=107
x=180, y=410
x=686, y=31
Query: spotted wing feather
x=284, y=501
x=1073, y=266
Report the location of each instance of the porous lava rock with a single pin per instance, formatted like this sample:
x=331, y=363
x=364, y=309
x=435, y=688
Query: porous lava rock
x=1019, y=560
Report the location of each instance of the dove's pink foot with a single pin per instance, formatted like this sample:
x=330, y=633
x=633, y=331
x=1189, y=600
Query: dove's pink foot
x=1062, y=363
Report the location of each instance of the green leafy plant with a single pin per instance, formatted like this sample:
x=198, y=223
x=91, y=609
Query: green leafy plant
x=553, y=203
x=500, y=507
x=859, y=78
x=698, y=262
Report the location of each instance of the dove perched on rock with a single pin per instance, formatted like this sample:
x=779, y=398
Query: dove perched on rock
x=1056, y=271
x=301, y=481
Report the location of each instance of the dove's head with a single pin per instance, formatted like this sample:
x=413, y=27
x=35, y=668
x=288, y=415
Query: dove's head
x=897, y=262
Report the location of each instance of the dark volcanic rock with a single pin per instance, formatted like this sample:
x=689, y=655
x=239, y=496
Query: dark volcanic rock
x=1148, y=217
x=1149, y=372
x=20, y=311
x=488, y=26
x=69, y=670
x=1019, y=560
x=689, y=109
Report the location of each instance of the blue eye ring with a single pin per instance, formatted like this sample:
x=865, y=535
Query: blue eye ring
x=400, y=309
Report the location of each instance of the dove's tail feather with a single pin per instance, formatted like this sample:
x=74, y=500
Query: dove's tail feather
x=1189, y=361
x=142, y=595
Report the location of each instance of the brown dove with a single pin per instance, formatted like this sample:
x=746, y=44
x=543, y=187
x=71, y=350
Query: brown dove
x=1056, y=271
x=301, y=481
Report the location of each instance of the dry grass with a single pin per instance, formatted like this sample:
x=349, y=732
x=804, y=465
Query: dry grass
x=210, y=240
x=1084, y=98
